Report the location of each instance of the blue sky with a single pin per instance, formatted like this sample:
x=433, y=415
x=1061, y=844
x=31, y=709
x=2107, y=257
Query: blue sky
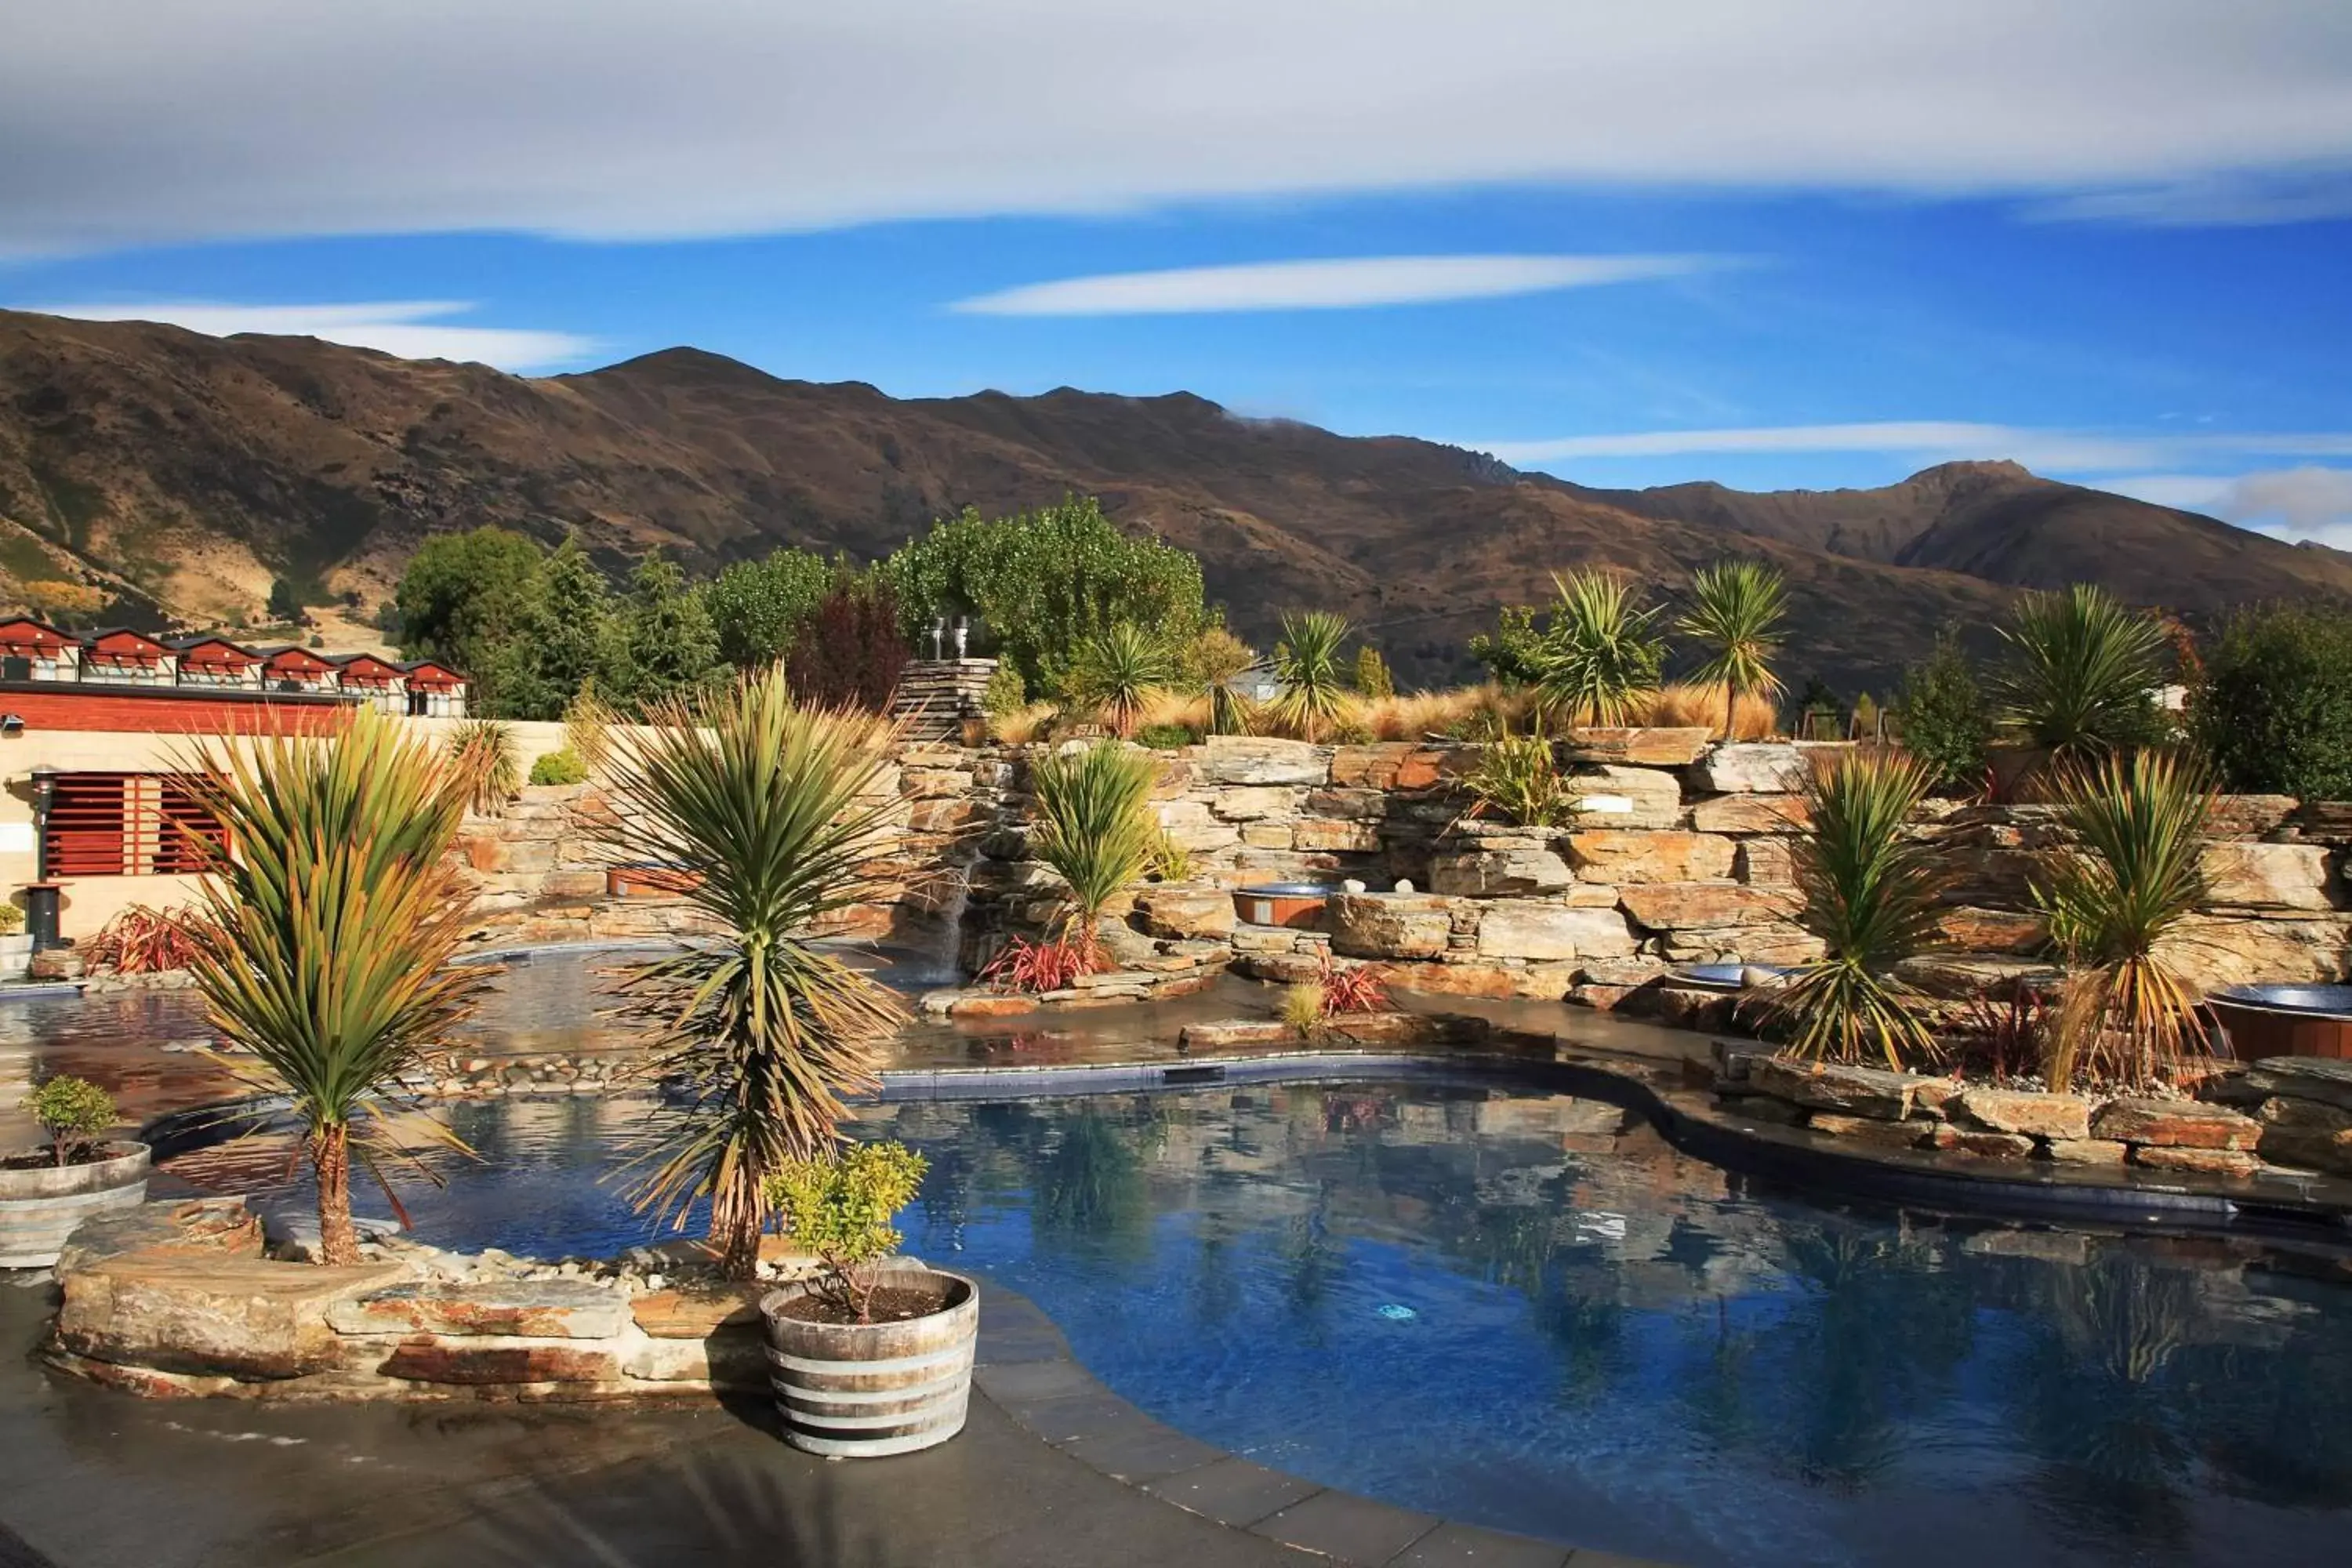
x=1815, y=244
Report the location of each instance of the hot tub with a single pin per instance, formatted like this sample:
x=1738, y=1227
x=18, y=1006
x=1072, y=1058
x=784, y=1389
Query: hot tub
x=2286, y=1020
x=1298, y=905
x=1726, y=977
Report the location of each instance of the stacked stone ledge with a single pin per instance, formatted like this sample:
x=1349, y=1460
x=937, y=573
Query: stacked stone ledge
x=181, y=1299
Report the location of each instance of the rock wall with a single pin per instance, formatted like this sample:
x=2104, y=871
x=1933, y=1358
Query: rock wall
x=1682, y=851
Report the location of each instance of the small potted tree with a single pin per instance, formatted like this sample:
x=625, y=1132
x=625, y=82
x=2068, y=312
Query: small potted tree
x=872, y=1354
x=46, y=1190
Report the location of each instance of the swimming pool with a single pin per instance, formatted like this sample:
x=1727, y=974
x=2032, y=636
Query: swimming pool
x=1527, y=1311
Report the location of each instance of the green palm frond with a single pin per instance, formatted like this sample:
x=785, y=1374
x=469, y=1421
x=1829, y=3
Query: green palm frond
x=2130, y=870
x=781, y=813
x=1870, y=892
x=1314, y=678
x=1095, y=827
x=331, y=921
x=1736, y=611
x=1599, y=653
x=2082, y=671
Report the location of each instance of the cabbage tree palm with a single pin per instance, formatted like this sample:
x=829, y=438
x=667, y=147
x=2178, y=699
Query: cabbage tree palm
x=1870, y=895
x=1119, y=670
x=778, y=810
x=331, y=921
x=2130, y=867
x=1096, y=828
x=2081, y=672
x=1735, y=613
x=1314, y=678
x=1599, y=655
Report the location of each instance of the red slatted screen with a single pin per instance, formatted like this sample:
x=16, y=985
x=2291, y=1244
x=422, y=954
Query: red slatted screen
x=126, y=825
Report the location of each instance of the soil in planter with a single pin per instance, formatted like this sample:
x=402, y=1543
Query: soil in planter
x=892, y=1304
x=42, y=1159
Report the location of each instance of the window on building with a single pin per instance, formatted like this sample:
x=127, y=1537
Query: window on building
x=127, y=825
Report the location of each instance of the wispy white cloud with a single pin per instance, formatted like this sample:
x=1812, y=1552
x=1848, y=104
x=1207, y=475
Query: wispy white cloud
x=2234, y=200
x=2310, y=501
x=1930, y=440
x=413, y=329
x=1943, y=440
x=131, y=122
x=1339, y=284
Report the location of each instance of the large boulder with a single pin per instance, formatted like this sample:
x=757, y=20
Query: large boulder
x=1613, y=797
x=1397, y=764
x=1516, y=928
x=1389, y=925
x=2028, y=1115
x=1489, y=870
x=2308, y=1134
x=2324, y=1079
x=1658, y=747
x=1182, y=909
x=1752, y=814
x=1258, y=760
x=1752, y=767
x=1336, y=836
x=529, y=1308
x=1834, y=1087
x=1253, y=803
x=2221, y=948
x=1619, y=855
x=1714, y=906
x=2240, y=875
x=247, y=1318
x=2175, y=1125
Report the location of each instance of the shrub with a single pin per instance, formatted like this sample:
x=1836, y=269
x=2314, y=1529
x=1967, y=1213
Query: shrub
x=2082, y=672
x=1165, y=737
x=1006, y=691
x=1688, y=705
x=143, y=940
x=2130, y=867
x=481, y=754
x=1357, y=988
x=2273, y=702
x=588, y=722
x=1944, y=718
x=841, y=1209
x=2003, y=1036
x=1094, y=829
x=1372, y=677
x=1599, y=654
x=1032, y=968
x=1020, y=726
x=559, y=767
x=1302, y=1008
x=12, y=917
x=1870, y=897
x=853, y=653
x=1169, y=861
x=74, y=1114
x=1314, y=695
x=1518, y=781
x=1214, y=660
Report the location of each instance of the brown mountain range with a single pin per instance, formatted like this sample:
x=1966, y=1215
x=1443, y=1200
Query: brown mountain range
x=176, y=474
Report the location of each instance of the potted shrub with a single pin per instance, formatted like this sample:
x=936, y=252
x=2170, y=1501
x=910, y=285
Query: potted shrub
x=46, y=1190
x=16, y=941
x=872, y=1354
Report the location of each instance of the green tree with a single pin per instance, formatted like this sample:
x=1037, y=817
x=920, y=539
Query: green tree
x=2271, y=704
x=1513, y=653
x=1735, y=613
x=285, y=604
x=1042, y=582
x=466, y=600
x=660, y=645
x=759, y=607
x=1372, y=677
x=1945, y=721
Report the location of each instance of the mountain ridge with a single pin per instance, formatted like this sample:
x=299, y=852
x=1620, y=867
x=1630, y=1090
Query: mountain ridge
x=179, y=473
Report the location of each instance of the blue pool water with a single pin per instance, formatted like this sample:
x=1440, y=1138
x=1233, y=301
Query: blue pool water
x=1517, y=1309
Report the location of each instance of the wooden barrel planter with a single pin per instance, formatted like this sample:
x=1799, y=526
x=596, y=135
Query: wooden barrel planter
x=865, y=1390
x=40, y=1205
